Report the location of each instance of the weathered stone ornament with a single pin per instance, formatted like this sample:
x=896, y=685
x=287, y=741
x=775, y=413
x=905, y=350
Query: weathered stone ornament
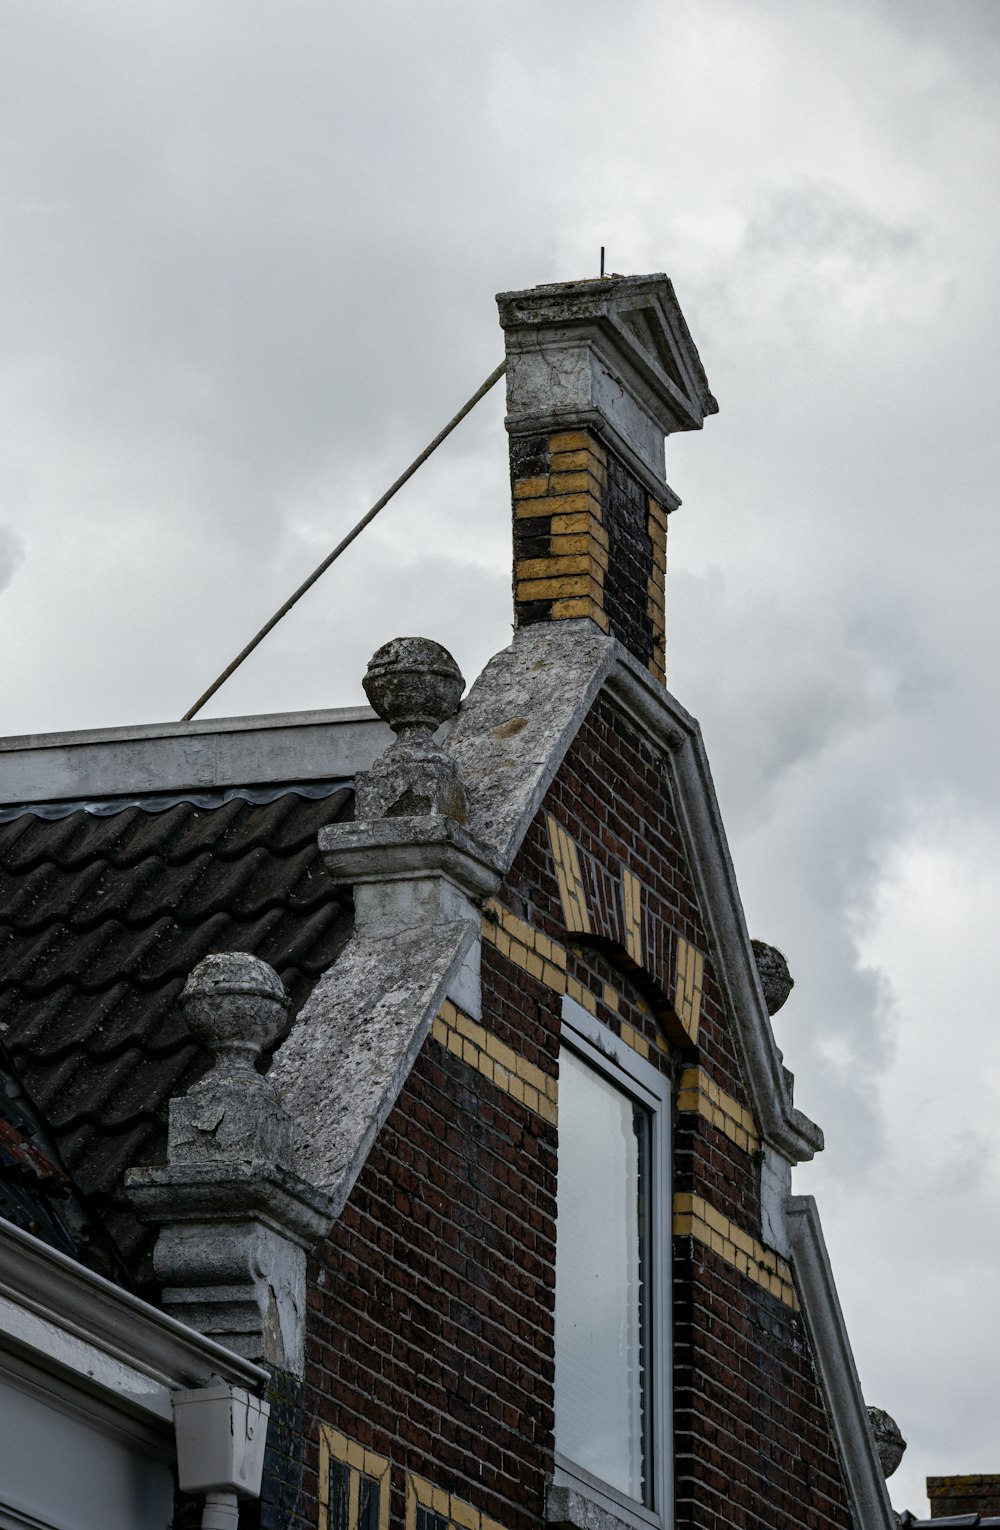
x=775, y=978
x=414, y=685
x=236, y=1007
x=889, y=1441
x=235, y=1219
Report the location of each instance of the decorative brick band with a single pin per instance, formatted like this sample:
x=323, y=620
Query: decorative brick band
x=687, y=991
x=545, y=959
x=695, y=1218
x=491, y=1057
x=427, y=1506
x=352, y=1479
x=571, y=890
x=536, y=954
x=697, y=1092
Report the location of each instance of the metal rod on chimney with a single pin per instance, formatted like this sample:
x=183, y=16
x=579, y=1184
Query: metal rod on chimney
x=355, y=531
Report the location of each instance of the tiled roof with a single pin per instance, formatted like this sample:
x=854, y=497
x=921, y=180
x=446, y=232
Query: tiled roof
x=102, y=916
x=32, y=1184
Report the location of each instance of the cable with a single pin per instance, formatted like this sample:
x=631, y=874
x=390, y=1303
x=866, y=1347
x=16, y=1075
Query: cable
x=379, y=504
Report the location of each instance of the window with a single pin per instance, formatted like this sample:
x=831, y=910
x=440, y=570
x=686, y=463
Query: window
x=353, y=1484
x=612, y=1311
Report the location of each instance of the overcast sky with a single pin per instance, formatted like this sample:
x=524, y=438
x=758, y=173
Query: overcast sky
x=247, y=270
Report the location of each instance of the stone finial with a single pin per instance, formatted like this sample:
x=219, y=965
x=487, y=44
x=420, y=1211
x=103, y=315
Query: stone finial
x=414, y=685
x=889, y=1442
x=235, y=1006
x=235, y=1219
x=775, y=978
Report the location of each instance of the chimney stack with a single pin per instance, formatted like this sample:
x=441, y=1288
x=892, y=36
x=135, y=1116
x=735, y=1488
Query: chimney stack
x=599, y=373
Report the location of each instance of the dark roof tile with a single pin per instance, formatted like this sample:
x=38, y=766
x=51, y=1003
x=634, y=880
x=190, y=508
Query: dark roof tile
x=102, y=917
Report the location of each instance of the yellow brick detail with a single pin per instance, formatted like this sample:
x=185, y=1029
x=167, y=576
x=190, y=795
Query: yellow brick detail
x=578, y=523
x=632, y=903
x=695, y=1217
x=611, y=997
x=633, y=1039
x=590, y=543
x=579, y=462
x=531, y=488
x=576, y=441
x=569, y=587
x=687, y=991
x=565, y=610
x=586, y=562
x=697, y=1093
x=570, y=881
x=573, y=483
x=568, y=504
x=493, y=1059
x=334, y=1446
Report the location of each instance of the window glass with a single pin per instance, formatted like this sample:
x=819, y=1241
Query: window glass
x=602, y=1370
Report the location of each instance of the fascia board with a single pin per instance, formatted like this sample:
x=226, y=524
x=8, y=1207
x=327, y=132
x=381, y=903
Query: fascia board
x=74, y=1322
x=835, y=1363
x=220, y=752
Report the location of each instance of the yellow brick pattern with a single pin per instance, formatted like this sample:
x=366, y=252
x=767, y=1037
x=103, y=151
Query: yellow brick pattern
x=687, y=990
x=491, y=1057
x=656, y=525
x=338, y=1447
x=461, y=1515
x=695, y=1218
x=632, y=910
x=572, y=576
x=697, y=1092
x=571, y=890
x=545, y=959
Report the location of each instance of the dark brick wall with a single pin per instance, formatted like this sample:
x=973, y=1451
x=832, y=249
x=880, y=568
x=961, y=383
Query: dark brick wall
x=430, y=1335
x=630, y=561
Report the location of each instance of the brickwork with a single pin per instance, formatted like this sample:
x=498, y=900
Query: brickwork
x=430, y=1336
x=978, y=1494
x=588, y=541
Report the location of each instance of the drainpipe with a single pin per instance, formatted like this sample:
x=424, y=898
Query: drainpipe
x=220, y=1432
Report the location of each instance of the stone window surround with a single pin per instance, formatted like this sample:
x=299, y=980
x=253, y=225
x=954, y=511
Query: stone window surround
x=575, y=1497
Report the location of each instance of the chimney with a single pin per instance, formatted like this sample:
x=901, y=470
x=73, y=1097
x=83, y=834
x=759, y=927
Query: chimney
x=961, y=1496
x=599, y=373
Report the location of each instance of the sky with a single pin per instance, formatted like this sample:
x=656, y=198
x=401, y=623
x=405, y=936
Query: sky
x=248, y=267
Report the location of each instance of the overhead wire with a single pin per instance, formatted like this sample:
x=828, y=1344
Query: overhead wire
x=341, y=546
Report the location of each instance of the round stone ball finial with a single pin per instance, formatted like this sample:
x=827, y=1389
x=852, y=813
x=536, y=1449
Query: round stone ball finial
x=235, y=1006
x=413, y=684
x=775, y=978
x=889, y=1441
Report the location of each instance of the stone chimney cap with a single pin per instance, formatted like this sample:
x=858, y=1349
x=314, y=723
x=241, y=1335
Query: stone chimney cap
x=641, y=325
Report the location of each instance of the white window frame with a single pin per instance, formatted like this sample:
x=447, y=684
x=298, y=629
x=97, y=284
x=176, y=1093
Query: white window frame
x=591, y=1041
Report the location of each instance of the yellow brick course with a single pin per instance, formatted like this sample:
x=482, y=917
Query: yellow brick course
x=576, y=441
x=520, y=942
x=566, y=587
x=698, y=1093
x=495, y=1060
x=695, y=1218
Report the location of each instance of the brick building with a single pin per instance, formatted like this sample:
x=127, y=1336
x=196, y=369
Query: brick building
x=496, y=1180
